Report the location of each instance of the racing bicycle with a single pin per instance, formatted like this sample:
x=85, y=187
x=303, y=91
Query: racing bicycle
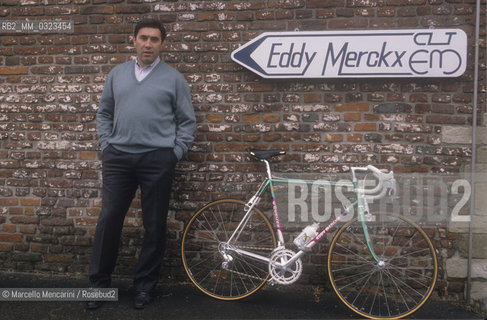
x=381, y=265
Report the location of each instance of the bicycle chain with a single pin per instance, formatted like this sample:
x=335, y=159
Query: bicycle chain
x=244, y=274
x=254, y=248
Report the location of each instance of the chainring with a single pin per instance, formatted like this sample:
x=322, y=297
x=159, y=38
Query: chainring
x=281, y=273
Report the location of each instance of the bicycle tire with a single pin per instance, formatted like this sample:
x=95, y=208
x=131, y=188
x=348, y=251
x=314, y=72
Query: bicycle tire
x=209, y=228
x=392, y=290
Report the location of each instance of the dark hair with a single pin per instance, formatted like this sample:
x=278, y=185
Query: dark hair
x=150, y=23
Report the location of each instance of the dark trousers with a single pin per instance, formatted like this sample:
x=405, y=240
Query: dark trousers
x=123, y=173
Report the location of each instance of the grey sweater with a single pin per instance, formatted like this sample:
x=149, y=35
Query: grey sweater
x=140, y=116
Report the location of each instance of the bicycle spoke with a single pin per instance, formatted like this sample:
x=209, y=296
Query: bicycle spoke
x=211, y=263
x=215, y=236
x=385, y=296
x=406, y=285
x=363, y=287
x=338, y=270
x=400, y=291
x=354, y=254
x=396, y=285
x=202, y=262
x=359, y=275
x=410, y=253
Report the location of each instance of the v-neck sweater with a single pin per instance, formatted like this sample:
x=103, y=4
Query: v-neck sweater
x=140, y=116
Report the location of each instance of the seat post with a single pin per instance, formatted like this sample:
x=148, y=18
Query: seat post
x=268, y=167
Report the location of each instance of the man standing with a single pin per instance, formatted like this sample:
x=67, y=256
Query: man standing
x=145, y=125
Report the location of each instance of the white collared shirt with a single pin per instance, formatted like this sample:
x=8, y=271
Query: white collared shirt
x=142, y=72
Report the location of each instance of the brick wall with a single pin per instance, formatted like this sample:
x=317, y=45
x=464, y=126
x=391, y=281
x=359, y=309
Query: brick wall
x=50, y=85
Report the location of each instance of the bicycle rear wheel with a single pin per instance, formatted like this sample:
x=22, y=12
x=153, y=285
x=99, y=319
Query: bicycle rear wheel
x=203, y=245
x=397, y=286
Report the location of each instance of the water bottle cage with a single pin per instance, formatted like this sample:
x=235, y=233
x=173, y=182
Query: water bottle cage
x=306, y=236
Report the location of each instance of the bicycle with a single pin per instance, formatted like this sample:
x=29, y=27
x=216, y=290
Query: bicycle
x=381, y=265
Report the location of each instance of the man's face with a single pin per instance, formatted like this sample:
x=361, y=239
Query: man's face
x=148, y=45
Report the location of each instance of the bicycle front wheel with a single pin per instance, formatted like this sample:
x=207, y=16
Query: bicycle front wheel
x=393, y=287
x=215, y=269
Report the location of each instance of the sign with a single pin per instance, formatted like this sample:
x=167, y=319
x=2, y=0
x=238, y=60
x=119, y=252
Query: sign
x=356, y=54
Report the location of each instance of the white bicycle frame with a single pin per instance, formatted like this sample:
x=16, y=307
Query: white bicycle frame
x=385, y=186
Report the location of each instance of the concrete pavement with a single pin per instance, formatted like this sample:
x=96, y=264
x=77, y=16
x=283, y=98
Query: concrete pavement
x=183, y=301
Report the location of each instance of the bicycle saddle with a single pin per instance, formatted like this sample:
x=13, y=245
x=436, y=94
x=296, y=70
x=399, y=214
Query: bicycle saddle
x=265, y=154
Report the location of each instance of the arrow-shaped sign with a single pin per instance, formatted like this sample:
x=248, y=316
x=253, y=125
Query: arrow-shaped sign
x=356, y=54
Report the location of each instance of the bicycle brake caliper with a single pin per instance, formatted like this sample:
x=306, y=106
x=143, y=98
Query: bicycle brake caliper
x=252, y=203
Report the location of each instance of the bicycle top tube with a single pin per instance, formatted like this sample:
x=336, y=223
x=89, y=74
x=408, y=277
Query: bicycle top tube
x=386, y=185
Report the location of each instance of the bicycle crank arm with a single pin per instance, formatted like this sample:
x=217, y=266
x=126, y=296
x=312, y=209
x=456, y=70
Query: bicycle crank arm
x=291, y=261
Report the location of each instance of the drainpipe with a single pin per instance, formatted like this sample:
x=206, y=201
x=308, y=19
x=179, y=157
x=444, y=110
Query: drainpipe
x=474, y=150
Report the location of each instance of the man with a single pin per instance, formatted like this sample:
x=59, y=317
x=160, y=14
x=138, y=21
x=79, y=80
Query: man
x=145, y=125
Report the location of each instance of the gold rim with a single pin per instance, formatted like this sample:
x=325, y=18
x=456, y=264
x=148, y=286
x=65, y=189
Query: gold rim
x=266, y=220
x=430, y=246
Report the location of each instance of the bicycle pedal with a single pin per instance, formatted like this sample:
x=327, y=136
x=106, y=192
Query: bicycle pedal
x=271, y=282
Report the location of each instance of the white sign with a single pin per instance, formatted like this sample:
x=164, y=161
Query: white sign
x=356, y=54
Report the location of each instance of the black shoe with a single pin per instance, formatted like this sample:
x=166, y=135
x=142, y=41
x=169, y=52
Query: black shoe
x=142, y=298
x=92, y=305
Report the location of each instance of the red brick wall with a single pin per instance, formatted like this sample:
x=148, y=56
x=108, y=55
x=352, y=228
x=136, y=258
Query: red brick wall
x=50, y=85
